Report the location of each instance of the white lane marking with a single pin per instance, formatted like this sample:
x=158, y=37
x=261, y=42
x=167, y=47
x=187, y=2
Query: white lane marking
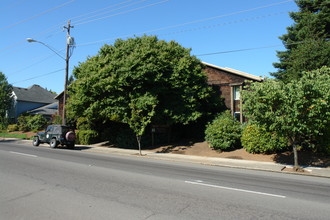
x=235, y=189
x=29, y=155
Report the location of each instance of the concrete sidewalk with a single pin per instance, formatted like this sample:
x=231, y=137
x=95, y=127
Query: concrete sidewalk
x=213, y=161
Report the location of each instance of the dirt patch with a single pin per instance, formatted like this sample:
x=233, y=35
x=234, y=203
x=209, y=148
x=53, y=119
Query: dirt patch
x=202, y=149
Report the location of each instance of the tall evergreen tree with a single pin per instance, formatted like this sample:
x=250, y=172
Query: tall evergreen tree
x=307, y=40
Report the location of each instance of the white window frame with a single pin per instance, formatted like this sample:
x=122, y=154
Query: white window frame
x=237, y=93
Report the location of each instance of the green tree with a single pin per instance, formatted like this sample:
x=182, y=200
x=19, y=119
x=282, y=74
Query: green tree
x=6, y=100
x=107, y=84
x=299, y=110
x=307, y=40
x=142, y=110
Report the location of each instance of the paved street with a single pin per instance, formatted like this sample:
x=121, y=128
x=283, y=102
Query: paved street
x=46, y=183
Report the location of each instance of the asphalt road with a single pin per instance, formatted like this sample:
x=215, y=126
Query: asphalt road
x=44, y=183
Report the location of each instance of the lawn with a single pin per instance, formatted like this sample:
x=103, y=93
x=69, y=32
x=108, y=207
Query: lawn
x=13, y=135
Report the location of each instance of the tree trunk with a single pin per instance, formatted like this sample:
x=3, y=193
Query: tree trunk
x=295, y=157
x=138, y=138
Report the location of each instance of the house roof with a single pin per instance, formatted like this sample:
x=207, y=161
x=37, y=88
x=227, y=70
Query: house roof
x=235, y=72
x=50, y=109
x=58, y=96
x=35, y=94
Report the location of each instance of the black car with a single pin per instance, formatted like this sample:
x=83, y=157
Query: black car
x=55, y=135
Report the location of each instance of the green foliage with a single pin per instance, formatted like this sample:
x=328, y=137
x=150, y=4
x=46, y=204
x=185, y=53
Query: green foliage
x=108, y=84
x=256, y=139
x=57, y=120
x=3, y=123
x=83, y=123
x=224, y=132
x=299, y=110
x=307, y=40
x=5, y=97
x=36, y=123
x=22, y=122
x=12, y=127
x=87, y=137
x=142, y=110
x=31, y=122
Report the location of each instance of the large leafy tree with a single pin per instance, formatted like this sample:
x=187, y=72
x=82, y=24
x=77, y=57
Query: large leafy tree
x=5, y=97
x=107, y=85
x=306, y=41
x=299, y=110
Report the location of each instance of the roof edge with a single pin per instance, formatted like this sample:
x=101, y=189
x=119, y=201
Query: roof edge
x=236, y=72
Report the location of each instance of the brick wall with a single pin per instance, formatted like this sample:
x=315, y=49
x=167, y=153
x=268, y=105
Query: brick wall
x=223, y=80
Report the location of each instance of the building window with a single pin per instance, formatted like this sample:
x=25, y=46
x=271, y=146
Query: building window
x=237, y=116
x=237, y=94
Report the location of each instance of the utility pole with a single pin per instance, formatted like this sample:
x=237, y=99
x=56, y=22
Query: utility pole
x=69, y=43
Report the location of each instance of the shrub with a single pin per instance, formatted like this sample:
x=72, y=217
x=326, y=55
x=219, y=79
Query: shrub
x=83, y=123
x=31, y=123
x=13, y=127
x=256, y=139
x=224, y=132
x=36, y=122
x=23, y=122
x=87, y=136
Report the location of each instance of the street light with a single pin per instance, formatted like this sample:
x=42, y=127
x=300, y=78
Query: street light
x=69, y=43
x=30, y=40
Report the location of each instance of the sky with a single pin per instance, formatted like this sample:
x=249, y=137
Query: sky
x=240, y=34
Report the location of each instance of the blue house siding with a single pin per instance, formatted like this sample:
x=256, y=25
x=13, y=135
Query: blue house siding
x=26, y=106
x=27, y=99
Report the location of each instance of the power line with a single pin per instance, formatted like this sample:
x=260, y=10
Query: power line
x=187, y=23
x=106, y=12
x=46, y=74
x=31, y=65
x=35, y=16
x=124, y=12
x=220, y=16
x=53, y=28
x=223, y=24
x=253, y=48
x=242, y=20
x=48, y=30
x=13, y=4
x=102, y=9
x=238, y=50
x=200, y=28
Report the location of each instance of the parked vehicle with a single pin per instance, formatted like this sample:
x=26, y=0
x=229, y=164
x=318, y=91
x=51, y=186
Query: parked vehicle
x=55, y=135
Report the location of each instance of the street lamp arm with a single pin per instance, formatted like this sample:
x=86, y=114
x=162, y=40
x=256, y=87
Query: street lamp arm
x=30, y=40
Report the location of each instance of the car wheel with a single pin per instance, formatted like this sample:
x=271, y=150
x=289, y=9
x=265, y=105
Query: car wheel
x=53, y=143
x=36, y=141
